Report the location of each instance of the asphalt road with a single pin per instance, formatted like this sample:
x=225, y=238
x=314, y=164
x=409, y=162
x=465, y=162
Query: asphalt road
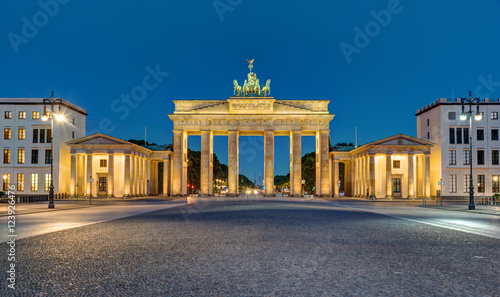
x=256, y=248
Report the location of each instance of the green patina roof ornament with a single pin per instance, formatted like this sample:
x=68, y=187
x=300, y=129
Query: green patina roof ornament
x=251, y=86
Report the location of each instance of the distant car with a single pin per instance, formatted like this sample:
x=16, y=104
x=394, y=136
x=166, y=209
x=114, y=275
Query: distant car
x=341, y=194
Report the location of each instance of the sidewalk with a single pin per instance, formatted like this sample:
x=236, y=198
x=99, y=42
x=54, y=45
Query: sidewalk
x=72, y=203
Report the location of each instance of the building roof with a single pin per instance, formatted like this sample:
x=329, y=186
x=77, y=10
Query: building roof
x=450, y=101
x=39, y=101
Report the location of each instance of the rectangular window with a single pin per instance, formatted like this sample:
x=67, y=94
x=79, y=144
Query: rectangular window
x=103, y=163
x=35, y=135
x=452, y=135
x=6, y=156
x=452, y=115
x=102, y=184
x=20, y=156
x=396, y=164
x=428, y=135
x=427, y=122
x=480, y=157
x=453, y=157
x=34, y=182
x=42, y=135
x=480, y=134
x=495, y=184
x=48, y=155
x=466, y=135
x=466, y=157
x=47, y=182
x=494, y=134
x=22, y=115
x=494, y=157
x=8, y=114
x=49, y=135
x=6, y=181
x=20, y=182
x=6, y=133
x=453, y=183
x=21, y=134
x=480, y=183
x=73, y=134
x=494, y=115
x=459, y=135
x=35, y=115
x=466, y=183
x=396, y=185
x=34, y=156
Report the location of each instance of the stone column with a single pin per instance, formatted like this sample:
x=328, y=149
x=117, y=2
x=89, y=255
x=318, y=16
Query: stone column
x=141, y=180
x=111, y=173
x=90, y=188
x=233, y=166
x=332, y=175
x=356, y=177
x=126, y=175
x=178, y=182
x=166, y=177
x=269, y=163
x=206, y=174
x=336, y=174
x=133, y=175
x=411, y=178
x=323, y=163
x=296, y=163
x=388, y=174
x=372, y=175
x=427, y=183
x=72, y=186
x=148, y=177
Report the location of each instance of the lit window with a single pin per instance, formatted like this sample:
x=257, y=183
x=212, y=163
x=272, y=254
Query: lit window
x=6, y=156
x=6, y=181
x=47, y=182
x=453, y=183
x=466, y=157
x=21, y=134
x=6, y=133
x=480, y=183
x=396, y=164
x=103, y=163
x=22, y=115
x=495, y=184
x=20, y=156
x=20, y=182
x=466, y=183
x=494, y=115
x=8, y=114
x=453, y=157
x=34, y=182
x=35, y=115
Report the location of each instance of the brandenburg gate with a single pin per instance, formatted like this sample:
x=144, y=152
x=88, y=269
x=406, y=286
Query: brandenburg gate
x=252, y=112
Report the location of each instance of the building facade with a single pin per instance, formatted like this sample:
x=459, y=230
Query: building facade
x=439, y=122
x=25, y=144
x=393, y=167
x=102, y=165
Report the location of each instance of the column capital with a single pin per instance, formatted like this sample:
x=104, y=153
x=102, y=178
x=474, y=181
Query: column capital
x=411, y=152
x=111, y=152
x=88, y=152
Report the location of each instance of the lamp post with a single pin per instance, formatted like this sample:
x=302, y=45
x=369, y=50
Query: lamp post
x=478, y=116
x=59, y=117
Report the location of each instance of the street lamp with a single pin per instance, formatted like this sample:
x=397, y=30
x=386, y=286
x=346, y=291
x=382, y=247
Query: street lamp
x=45, y=117
x=478, y=116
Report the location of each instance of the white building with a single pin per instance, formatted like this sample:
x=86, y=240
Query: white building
x=25, y=144
x=439, y=122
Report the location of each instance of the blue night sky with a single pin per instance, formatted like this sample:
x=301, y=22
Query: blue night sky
x=91, y=52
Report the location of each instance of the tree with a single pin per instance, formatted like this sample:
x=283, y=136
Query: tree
x=245, y=182
x=344, y=144
x=140, y=142
x=309, y=171
x=282, y=181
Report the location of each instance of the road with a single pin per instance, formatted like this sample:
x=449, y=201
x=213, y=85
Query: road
x=263, y=248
